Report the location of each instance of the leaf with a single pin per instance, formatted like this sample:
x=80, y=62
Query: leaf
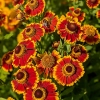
x=88, y=47
x=81, y=3
x=67, y=91
x=4, y=48
x=7, y=36
x=3, y=99
x=3, y=75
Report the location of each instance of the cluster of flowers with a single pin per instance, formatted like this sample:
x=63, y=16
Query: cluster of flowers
x=37, y=74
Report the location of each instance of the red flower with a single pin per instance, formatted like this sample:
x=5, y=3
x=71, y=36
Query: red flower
x=35, y=7
x=69, y=30
x=90, y=35
x=92, y=3
x=2, y=17
x=68, y=71
x=45, y=90
x=79, y=52
x=75, y=14
x=15, y=2
x=25, y=78
x=49, y=22
x=33, y=31
x=23, y=52
x=98, y=14
x=7, y=61
x=47, y=63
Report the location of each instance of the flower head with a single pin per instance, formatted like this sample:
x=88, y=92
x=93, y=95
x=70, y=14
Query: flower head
x=25, y=78
x=98, y=14
x=23, y=52
x=7, y=61
x=90, y=35
x=75, y=14
x=45, y=90
x=79, y=52
x=11, y=22
x=68, y=71
x=49, y=22
x=34, y=7
x=69, y=30
x=47, y=63
x=33, y=31
x=92, y=3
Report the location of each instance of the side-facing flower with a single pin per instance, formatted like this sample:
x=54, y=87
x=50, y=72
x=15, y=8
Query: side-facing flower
x=45, y=90
x=68, y=71
x=7, y=61
x=92, y=3
x=33, y=31
x=2, y=17
x=34, y=7
x=90, y=34
x=23, y=52
x=47, y=63
x=75, y=14
x=69, y=30
x=11, y=22
x=79, y=52
x=49, y=22
x=98, y=14
x=25, y=78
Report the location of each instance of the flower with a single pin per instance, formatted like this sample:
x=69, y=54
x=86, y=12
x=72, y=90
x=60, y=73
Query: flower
x=8, y=2
x=25, y=78
x=33, y=31
x=20, y=37
x=2, y=4
x=49, y=22
x=55, y=44
x=79, y=52
x=11, y=22
x=10, y=98
x=92, y=3
x=15, y=2
x=90, y=35
x=75, y=14
x=98, y=14
x=7, y=61
x=47, y=63
x=20, y=15
x=34, y=7
x=45, y=90
x=68, y=71
x=23, y=52
x=2, y=17
x=69, y=30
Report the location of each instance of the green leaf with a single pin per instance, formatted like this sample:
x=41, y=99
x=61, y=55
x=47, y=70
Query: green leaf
x=7, y=36
x=3, y=75
x=67, y=91
x=81, y=3
x=89, y=47
x=3, y=99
